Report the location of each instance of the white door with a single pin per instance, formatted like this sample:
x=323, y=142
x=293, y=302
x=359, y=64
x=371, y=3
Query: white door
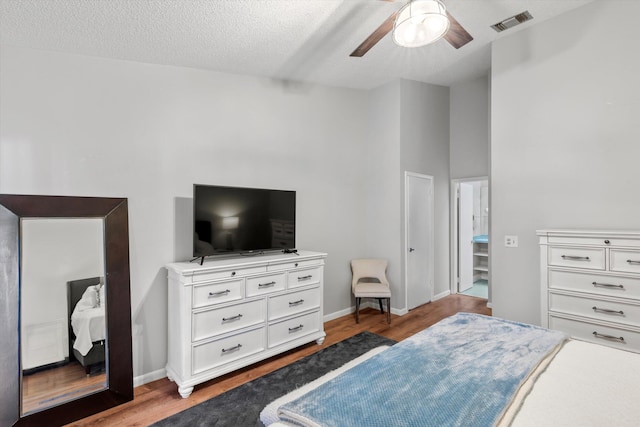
x=465, y=237
x=419, y=238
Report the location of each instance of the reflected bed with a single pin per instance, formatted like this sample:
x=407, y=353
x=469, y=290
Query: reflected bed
x=87, y=329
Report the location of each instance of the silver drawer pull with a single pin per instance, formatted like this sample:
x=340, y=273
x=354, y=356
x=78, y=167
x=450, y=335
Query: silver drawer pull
x=608, y=311
x=217, y=294
x=630, y=261
x=228, y=319
x=305, y=277
x=608, y=337
x=300, y=301
x=265, y=285
x=235, y=347
x=297, y=328
x=607, y=285
x=576, y=258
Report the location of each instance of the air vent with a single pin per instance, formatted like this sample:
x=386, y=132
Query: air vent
x=513, y=21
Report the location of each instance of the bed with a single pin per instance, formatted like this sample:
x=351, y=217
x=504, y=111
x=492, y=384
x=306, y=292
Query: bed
x=473, y=370
x=87, y=328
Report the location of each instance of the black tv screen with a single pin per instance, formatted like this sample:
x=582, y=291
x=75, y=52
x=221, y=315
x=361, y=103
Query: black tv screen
x=236, y=219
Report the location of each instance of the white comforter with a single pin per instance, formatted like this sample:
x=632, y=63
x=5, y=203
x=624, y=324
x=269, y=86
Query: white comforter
x=584, y=385
x=88, y=322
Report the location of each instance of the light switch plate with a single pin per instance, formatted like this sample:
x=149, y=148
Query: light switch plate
x=511, y=241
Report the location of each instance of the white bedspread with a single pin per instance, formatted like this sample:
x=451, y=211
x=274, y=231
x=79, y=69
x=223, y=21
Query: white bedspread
x=88, y=323
x=585, y=385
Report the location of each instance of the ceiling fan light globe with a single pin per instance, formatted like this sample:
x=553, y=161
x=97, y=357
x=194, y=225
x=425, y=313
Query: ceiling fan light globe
x=420, y=22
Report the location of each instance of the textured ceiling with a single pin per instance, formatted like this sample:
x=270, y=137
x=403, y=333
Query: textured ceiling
x=299, y=40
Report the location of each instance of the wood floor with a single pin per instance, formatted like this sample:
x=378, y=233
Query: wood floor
x=57, y=385
x=159, y=399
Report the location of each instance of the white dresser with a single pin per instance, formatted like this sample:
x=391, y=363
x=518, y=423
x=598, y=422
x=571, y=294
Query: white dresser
x=591, y=285
x=231, y=312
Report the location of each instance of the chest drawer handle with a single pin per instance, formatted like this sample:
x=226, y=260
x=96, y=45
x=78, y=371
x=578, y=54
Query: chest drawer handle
x=235, y=347
x=217, y=294
x=576, y=258
x=266, y=285
x=296, y=328
x=607, y=337
x=630, y=261
x=305, y=277
x=607, y=285
x=228, y=319
x=300, y=301
x=608, y=311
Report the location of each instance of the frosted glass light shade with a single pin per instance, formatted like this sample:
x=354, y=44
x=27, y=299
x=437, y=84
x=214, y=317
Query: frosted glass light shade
x=420, y=22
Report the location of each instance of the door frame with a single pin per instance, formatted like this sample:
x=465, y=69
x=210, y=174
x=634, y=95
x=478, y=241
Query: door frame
x=453, y=211
x=431, y=239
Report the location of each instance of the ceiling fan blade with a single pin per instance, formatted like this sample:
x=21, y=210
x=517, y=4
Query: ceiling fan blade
x=457, y=36
x=375, y=37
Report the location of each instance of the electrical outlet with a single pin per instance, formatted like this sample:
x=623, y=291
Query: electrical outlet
x=511, y=241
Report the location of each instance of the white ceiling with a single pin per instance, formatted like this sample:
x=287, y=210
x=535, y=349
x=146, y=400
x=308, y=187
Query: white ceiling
x=299, y=40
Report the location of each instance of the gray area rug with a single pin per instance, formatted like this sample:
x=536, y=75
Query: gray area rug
x=241, y=406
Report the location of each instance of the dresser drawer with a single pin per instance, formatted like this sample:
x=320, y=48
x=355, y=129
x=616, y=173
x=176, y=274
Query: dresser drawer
x=295, y=264
x=595, y=241
x=226, y=274
x=265, y=284
x=588, y=258
x=595, y=308
x=218, y=321
x=296, y=302
x=624, y=261
x=597, y=333
x=600, y=284
x=308, y=276
x=292, y=329
x=215, y=353
x=217, y=292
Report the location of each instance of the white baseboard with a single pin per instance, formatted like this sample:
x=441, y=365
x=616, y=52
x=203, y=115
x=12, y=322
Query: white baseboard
x=149, y=377
x=337, y=314
x=366, y=304
x=441, y=295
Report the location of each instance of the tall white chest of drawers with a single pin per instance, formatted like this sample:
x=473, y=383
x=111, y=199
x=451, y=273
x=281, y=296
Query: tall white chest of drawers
x=229, y=313
x=591, y=285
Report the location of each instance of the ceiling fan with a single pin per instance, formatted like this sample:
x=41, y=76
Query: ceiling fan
x=419, y=22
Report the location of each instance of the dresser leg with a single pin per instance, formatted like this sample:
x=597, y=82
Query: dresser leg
x=320, y=341
x=185, y=391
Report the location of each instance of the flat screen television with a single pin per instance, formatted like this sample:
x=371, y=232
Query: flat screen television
x=230, y=220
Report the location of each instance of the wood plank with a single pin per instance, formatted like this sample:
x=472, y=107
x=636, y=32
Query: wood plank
x=159, y=399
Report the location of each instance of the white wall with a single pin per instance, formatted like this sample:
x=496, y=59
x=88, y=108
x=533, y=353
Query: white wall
x=85, y=126
x=565, y=139
x=381, y=160
x=469, y=141
x=424, y=130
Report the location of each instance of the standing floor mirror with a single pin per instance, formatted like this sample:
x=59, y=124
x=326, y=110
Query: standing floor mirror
x=65, y=322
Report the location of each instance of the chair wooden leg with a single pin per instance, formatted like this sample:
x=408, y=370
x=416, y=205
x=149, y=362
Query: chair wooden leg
x=389, y=310
x=357, y=310
x=380, y=302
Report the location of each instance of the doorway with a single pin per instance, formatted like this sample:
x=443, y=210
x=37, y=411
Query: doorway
x=470, y=237
x=419, y=255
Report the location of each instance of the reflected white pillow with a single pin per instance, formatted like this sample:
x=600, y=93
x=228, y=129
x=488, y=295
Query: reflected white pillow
x=89, y=299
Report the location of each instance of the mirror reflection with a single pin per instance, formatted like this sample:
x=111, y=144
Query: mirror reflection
x=62, y=310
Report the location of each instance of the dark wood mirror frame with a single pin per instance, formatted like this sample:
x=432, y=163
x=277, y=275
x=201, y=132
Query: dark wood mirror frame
x=119, y=357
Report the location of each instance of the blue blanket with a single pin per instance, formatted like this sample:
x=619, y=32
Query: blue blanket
x=463, y=371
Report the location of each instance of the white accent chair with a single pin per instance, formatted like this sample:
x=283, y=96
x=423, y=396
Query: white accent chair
x=370, y=281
